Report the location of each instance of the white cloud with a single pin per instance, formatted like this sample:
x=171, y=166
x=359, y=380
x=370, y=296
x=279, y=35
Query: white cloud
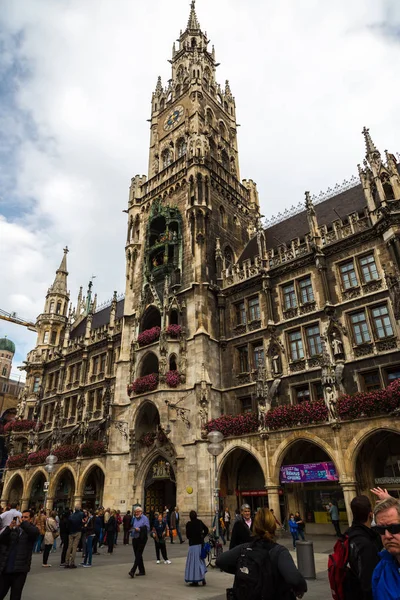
x=78, y=80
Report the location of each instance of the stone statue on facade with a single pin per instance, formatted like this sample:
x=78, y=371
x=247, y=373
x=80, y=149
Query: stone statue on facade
x=276, y=364
x=21, y=407
x=337, y=345
x=330, y=398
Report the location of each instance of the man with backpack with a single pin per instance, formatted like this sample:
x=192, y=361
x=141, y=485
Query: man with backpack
x=355, y=556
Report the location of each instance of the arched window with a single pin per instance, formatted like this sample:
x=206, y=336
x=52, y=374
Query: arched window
x=4, y=372
x=46, y=337
x=151, y=318
x=58, y=309
x=193, y=43
x=52, y=304
x=210, y=116
x=177, y=90
x=228, y=256
x=166, y=158
x=172, y=363
x=222, y=130
x=149, y=365
x=213, y=149
x=181, y=147
x=387, y=188
x=207, y=77
x=225, y=160
x=173, y=317
x=222, y=216
x=162, y=104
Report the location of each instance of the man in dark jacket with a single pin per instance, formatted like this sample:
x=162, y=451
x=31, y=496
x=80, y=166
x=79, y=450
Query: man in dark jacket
x=16, y=545
x=364, y=546
x=242, y=528
x=75, y=522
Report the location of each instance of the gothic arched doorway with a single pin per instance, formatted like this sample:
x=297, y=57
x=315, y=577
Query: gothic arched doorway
x=378, y=463
x=36, y=498
x=16, y=490
x=160, y=486
x=93, y=487
x=242, y=481
x=310, y=481
x=64, y=491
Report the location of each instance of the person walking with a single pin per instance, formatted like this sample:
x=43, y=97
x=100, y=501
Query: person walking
x=293, y=528
x=16, y=546
x=139, y=532
x=126, y=524
x=50, y=535
x=287, y=581
x=111, y=528
x=159, y=533
x=227, y=521
x=75, y=521
x=64, y=535
x=300, y=526
x=242, y=528
x=40, y=524
x=333, y=511
x=195, y=570
x=175, y=524
x=89, y=535
x=386, y=576
x=364, y=548
x=118, y=519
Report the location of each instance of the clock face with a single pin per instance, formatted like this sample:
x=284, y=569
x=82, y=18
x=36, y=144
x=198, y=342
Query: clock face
x=173, y=118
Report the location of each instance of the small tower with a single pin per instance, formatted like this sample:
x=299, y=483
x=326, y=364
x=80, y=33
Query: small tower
x=51, y=323
x=7, y=351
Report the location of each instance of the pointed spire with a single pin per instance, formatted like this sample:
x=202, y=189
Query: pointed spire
x=60, y=282
x=192, y=21
x=369, y=144
x=159, y=87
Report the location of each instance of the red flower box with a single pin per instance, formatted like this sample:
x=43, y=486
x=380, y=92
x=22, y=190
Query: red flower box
x=65, y=453
x=174, y=330
x=291, y=415
x=38, y=458
x=230, y=425
x=172, y=379
x=148, y=383
x=149, y=336
x=94, y=448
x=17, y=461
x=24, y=425
x=370, y=404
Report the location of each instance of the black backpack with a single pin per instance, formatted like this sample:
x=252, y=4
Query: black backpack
x=256, y=576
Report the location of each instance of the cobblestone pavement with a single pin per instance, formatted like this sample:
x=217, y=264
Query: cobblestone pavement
x=108, y=578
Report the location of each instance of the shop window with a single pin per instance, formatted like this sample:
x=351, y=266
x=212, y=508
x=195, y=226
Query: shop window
x=371, y=381
x=392, y=374
x=258, y=357
x=240, y=311
x=382, y=325
x=359, y=327
x=36, y=383
x=243, y=354
x=254, y=309
x=296, y=345
x=306, y=290
x=289, y=296
x=368, y=268
x=348, y=275
x=301, y=394
x=246, y=405
x=313, y=340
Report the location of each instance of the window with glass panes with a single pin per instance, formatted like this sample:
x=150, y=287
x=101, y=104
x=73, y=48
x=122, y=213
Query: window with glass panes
x=258, y=357
x=313, y=340
x=246, y=405
x=393, y=373
x=302, y=393
x=289, y=296
x=306, y=290
x=240, y=313
x=359, y=326
x=318, y=392
x=254, y=309
x=296, y=345
x=371, y=381
x=103, y=363
x=91, y=401
x=368, y=268
x=99, y=397
x=243, y=359
x=95, y=365
x=382, y=325
x=78, y=371
x=348, y=275
x=36, y=383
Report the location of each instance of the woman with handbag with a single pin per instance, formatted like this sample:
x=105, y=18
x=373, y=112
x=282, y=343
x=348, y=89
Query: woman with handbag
x=196, y=569
x=50, y=534
x=159, y=534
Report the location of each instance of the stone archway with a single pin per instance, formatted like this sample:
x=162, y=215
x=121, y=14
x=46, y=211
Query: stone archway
x=92, y=487
x=377, y=462
x=159, y=486
x=310, y=480
x=15, y=489
x=36, y=491
x=241, y=479
x=63, y=490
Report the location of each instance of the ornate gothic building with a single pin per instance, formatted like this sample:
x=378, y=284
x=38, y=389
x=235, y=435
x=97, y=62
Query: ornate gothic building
x=270, y=331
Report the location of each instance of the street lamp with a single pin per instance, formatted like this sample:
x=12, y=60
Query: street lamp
x=51, y=460
x=215, y=448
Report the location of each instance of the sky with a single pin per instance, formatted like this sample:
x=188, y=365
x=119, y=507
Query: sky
x=76, y=78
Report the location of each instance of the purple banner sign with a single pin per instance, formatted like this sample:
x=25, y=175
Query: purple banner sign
x=308, y=473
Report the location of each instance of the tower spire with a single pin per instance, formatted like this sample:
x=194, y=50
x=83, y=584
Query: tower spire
x=369, y=144
x=193, y=22
x=60, y=282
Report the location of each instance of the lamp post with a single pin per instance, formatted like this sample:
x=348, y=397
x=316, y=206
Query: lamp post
x=215, y=448
x=51, y=460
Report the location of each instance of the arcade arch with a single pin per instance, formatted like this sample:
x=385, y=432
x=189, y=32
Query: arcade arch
x=63, y=490
x=377, y=462
x=15, y=490
x=92, y=487
x=36, y=491
x=241, y=480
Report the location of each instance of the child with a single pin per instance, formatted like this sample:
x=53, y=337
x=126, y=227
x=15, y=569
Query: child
x=293, y=526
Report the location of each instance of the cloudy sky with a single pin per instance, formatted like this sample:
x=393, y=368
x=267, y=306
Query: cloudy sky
x=76, y=78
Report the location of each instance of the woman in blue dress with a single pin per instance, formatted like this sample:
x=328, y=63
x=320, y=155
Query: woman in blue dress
x=196, y=570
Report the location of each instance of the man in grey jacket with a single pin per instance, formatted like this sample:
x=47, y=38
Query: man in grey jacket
x=333, y=510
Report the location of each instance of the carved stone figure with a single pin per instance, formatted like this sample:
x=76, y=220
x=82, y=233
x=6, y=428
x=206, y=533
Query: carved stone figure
x=21, y=408
x=330, y=398
x=276, y=364
x=263, y=408
x=337, y=345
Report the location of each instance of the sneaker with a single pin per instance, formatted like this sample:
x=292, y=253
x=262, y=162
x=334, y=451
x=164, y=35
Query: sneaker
x=158, y=562
x=63, y=565
x=46, y=565
x=82, y=564
x=167, y=562
x=86, y=566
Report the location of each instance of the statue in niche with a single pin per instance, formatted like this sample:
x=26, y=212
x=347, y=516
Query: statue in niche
x=263, y=409
x=337, y=345
x=276, y=363
x=330, y=398
x=21, y=408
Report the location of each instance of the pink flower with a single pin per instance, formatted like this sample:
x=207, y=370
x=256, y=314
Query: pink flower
x=148, y=383
x=172, y=379
x=149, y=336
x=174, y=330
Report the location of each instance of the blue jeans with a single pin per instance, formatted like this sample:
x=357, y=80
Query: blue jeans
x=295, y=538
x=38, y=543
x=88, y=550
x=301, y=534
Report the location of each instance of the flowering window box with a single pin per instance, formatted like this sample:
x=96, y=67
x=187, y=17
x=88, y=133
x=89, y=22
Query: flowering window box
x=24, y=425
x=232, y=425
x=149, y=336
x=148, y=383
x=174, y=331
x=17, y=461
x=94, y=448
x=370, y=404
x=292, y=415
x=172, y=379
x=37, y=458
x=65, y=453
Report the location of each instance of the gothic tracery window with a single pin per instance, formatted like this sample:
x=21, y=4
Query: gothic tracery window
x=182, y=147
x=166, y=158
